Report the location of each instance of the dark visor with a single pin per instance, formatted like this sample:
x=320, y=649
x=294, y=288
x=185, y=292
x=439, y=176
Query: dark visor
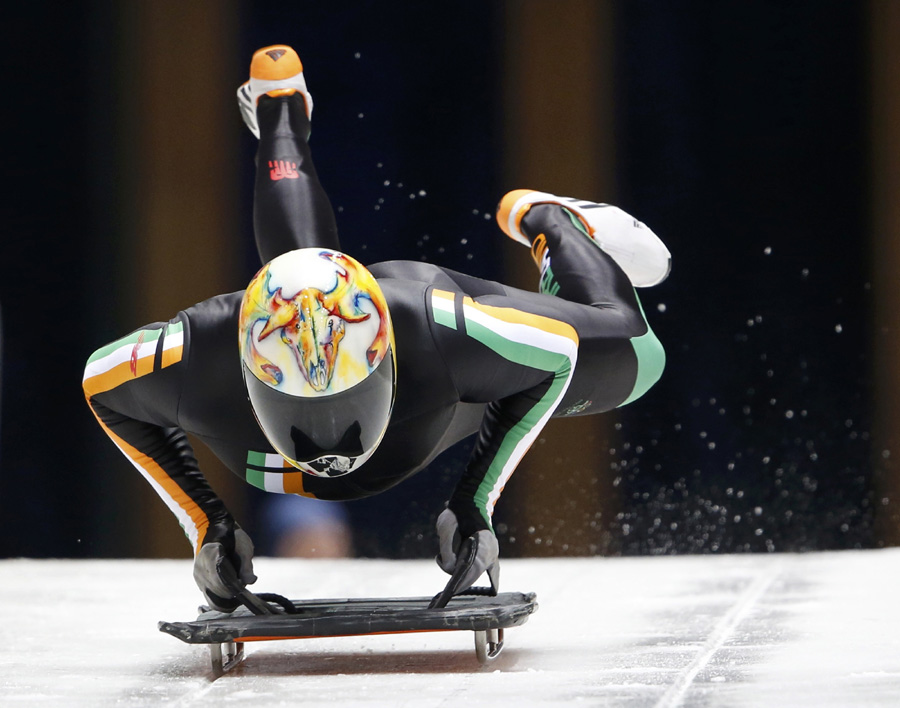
x=348, y=423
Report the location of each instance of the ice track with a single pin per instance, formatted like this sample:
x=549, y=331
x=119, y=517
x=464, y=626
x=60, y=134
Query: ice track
x=817, y=630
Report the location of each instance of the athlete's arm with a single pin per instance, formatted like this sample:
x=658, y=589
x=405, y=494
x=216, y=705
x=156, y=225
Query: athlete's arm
x=520, y=362
x=518, y=359
x=133, y=387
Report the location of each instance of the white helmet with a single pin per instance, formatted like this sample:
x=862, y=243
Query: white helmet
x=317, y=350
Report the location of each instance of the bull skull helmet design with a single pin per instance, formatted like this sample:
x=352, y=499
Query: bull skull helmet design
x=313, y=322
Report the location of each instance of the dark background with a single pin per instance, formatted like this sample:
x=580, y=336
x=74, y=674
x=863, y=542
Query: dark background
x=742, y=140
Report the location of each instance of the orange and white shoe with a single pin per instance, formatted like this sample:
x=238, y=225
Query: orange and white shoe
x=274, y=71
x=630, y=243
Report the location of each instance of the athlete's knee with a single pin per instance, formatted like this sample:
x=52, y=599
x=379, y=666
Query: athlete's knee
x=651, y=362
x=634, y=320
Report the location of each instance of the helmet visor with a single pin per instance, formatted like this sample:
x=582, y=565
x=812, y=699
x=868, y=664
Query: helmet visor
x=348, y=424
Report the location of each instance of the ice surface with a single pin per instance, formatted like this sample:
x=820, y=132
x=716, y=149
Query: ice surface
x=768, y=630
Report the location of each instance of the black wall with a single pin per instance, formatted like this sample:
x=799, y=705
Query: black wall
x=741, y=134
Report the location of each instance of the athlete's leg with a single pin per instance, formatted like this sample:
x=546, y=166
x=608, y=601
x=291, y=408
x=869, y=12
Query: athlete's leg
x=575, y=268
x=290, y=210
x=572, y=266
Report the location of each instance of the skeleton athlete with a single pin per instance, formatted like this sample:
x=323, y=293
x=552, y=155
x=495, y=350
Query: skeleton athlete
x=330, y=380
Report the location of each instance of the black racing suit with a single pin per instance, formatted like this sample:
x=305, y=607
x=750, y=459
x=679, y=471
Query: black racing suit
x=473, y=356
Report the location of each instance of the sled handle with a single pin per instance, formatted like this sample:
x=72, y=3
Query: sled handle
x=260, y=604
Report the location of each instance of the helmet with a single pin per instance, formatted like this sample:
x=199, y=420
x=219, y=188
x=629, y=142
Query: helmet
x=317, y=352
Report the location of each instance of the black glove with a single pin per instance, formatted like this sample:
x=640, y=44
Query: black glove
x=465, y=559
x=224, y=565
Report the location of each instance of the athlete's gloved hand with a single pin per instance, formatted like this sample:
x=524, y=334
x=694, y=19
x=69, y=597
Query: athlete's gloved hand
x=465, y=559
x=224, y=565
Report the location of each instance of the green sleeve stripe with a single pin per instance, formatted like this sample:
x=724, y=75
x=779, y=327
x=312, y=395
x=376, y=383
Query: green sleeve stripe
x=516, y=443
x=257, y=459
x=527, y=340
x=518, y=352
x=145, y=335
x=256, y=477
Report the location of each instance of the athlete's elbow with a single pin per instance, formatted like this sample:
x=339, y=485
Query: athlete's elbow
x=100, y=372
x=91, y=378
x=86, y=379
